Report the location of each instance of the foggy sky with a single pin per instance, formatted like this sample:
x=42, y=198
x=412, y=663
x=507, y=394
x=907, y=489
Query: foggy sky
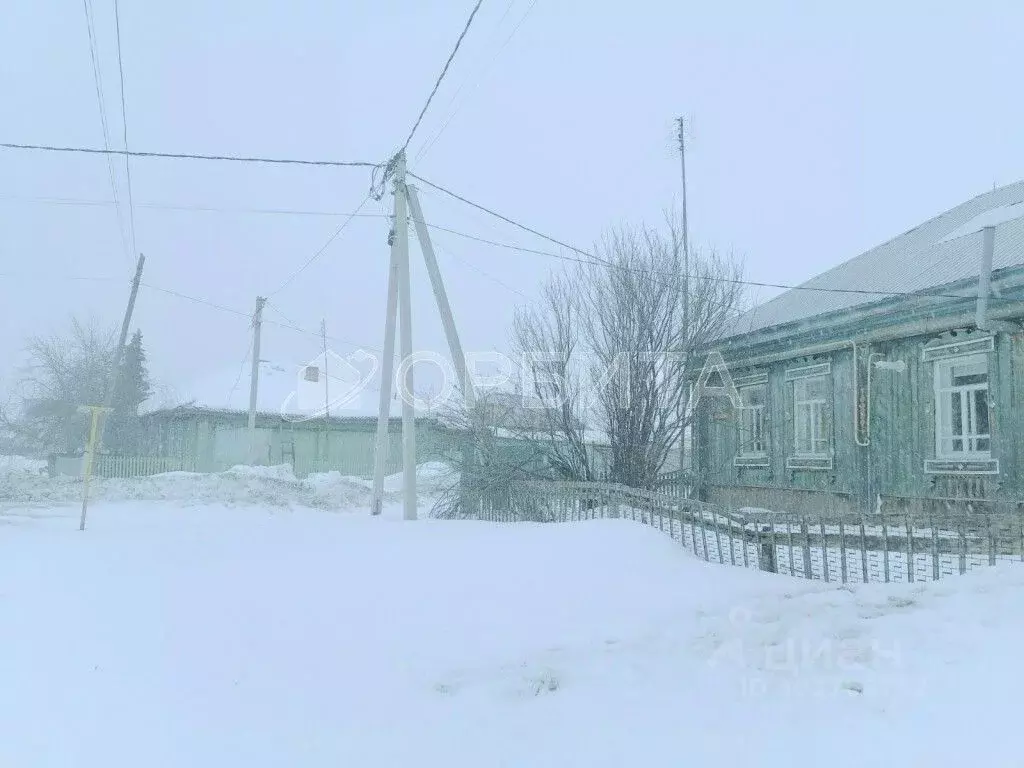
x=817, y=133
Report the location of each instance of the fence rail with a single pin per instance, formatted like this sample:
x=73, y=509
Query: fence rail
x=898, y=545
x=108, y=465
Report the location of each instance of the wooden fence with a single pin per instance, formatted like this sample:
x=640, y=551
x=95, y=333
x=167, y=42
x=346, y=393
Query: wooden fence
x=893, y=545
x=109, y=465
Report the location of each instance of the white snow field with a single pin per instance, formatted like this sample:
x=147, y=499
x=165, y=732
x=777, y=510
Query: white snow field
x=212, y=636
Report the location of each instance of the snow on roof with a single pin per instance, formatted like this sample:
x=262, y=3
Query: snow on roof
x=294, y=391
x=943, y=250
x=991, y=218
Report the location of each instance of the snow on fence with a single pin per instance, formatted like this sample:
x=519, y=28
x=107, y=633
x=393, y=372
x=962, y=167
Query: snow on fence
x=890, y=546
x=111, y=465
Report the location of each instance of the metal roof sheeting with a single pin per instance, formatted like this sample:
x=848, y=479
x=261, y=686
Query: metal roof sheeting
x=943, y=250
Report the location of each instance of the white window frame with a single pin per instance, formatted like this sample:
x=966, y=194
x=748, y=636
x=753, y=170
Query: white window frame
x=968, y=437
x=757, y=415
x=819, y=410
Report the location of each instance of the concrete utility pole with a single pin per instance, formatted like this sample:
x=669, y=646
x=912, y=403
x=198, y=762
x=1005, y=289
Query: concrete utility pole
x=441, y=296
x=686, y=286
x=398, y=289
x=399, y=309
x=387, y=368
x=254, y=375
x=405, y=336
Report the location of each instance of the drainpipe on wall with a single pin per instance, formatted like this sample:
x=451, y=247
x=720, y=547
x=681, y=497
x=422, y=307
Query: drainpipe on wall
x=985, y=277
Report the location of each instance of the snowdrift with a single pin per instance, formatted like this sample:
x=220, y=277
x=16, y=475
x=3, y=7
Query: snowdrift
x=215, y=636
x=274, y=486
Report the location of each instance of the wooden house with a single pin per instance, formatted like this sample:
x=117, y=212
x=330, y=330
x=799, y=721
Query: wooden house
x=896, y=377
x=206, y=429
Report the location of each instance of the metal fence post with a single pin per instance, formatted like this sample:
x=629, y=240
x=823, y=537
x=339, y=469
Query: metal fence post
x=766, y=555
x=910, y=548
x=843, y=575
x=806, y=554
x=885, y=548
x=824, y=553
x=863, y=550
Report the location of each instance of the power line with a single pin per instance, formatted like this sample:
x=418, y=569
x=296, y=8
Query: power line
x=278, y=310
x=196, y=300
x=429, y=145
x=248, y=316
x=593, y=260
x=124, y=122
x=97, y=76
x=189, y=156
x=479, y=271
x=50, y=277
x=323, y=248
x=241, y=370
x=192, y=208
x=444, y=71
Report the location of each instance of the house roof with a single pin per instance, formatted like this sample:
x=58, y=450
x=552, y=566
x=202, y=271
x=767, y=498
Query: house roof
x=942, y=250
x=282, y=391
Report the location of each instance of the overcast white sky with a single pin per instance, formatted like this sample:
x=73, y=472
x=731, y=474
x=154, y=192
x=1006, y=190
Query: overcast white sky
x=818, y=131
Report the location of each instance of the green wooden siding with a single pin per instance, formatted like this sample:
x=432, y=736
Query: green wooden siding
x=902, y=435
x=215, y=441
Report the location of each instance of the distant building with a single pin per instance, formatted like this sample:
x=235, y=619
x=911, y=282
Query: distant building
x=306, y=417
x=876, y=380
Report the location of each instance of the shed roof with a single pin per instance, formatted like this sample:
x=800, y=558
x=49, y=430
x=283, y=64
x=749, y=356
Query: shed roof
x=943, y=250
x=282, y=391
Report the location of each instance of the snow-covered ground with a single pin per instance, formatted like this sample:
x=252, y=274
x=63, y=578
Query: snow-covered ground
x=211, y=635
x=272, y=486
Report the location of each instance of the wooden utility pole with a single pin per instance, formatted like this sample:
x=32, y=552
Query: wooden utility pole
x=99, y=412
x=122, y=339
x=327, y=378
x=686, y=291
x=254, y=375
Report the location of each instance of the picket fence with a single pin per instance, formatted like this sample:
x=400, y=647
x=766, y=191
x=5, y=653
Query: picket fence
x=897, y=544
x=116, y=466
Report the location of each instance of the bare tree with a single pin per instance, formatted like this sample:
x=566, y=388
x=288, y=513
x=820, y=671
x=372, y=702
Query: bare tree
x=640, y=348
x=616, y=351
x=64, y=372
x=604, y=356
x=498, y=454
x=548, y=339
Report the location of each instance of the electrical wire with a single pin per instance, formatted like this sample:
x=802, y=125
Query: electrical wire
x=97, y=76
x=323, y=248
x=192, y=208
x=444, y=71
x=189, y=156
x=241, y=370
x=593, y=260
x=469, y=265
x=431, y=142
x=248, y=316
x=124, y=122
